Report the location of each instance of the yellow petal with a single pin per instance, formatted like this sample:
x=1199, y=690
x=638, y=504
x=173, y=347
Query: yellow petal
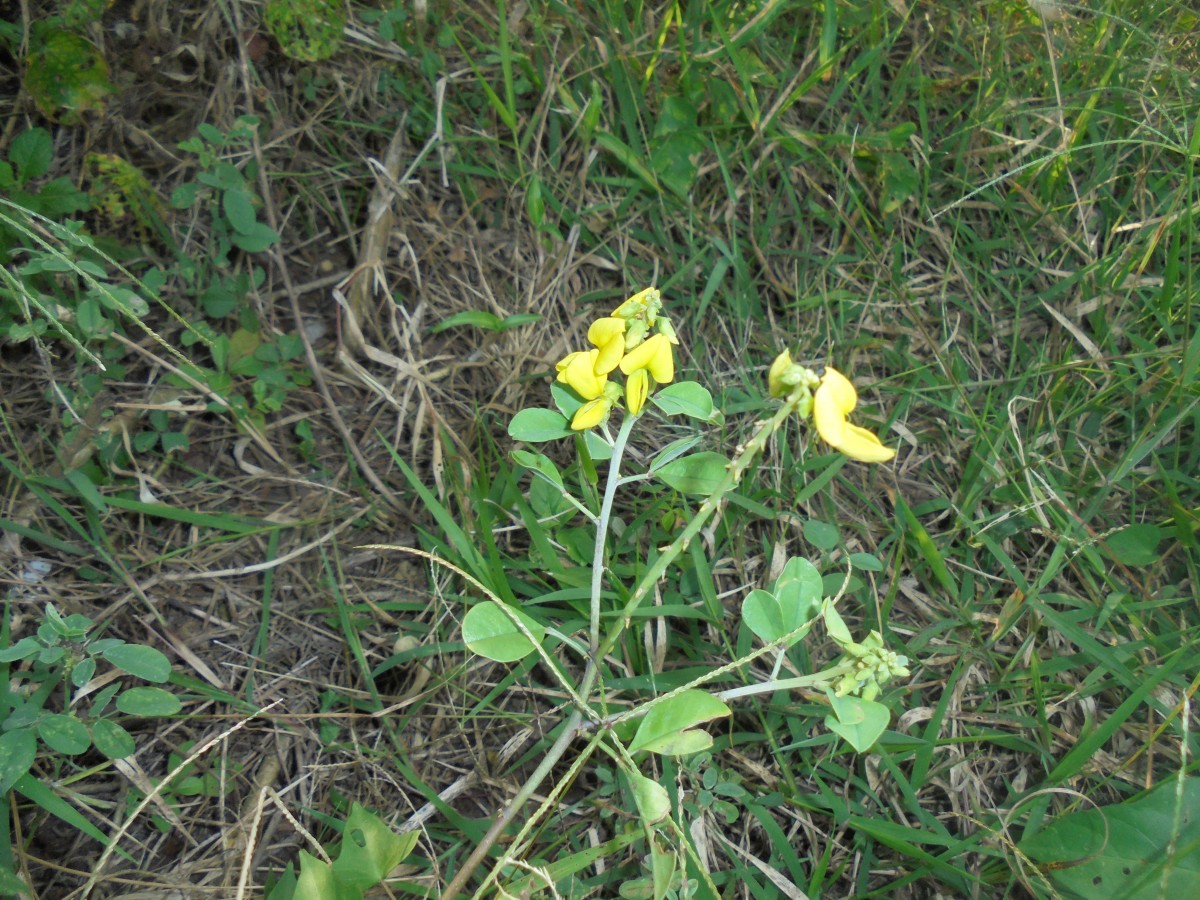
x=563, y=364
x=653, y=354
x=838, y=388
x=581, y=375
x=637, y=389
x=608, y=334
x=591, y=414
x=858, y=443
x=782, y=363
x=832, y=402
x=602, y=331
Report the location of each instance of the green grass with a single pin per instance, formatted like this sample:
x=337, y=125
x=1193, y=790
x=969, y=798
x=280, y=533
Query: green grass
x=986, y=221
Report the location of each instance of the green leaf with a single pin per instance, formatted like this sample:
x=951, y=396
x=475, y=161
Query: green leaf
x=698, y=474
x=112, y=740
x=567, y=401
x=148, y=701
x=477, y=318
x=859, y=722
x=17, y=752
x=822, y=535
x=10, y=884
x=31, y=152
x=652, y=801
x=538, y=426
x=868, y=562
x=667, y=728
x=1137, y=545
x=142, y=662
x=255, y=240
x=836, y=627
x=25, y=648
x=687, y=398
x=762, y=615
x=489, y=631
x=538, y=462
x=799, y=591
x=662, y=867
x=239, y=210
x=370, y=850
x=64, y=734
x=1122, y=850
x=316, y=881
x=673, y=450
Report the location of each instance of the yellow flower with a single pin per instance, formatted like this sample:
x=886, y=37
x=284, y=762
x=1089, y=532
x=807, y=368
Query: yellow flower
x=591, y=414
x=608, y=336
x=654, y=355
x=637, y=389
x=595, y=411
x=578, y=370
x=833, y=401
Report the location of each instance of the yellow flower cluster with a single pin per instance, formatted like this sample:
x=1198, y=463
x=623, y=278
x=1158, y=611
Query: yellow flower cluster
x=833, y=399
x=636, y=338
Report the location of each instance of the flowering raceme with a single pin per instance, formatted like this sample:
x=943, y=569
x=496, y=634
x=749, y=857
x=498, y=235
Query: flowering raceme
x=637, y=338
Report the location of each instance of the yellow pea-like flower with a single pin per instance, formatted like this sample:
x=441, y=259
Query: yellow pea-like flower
x=655, y=356
x=579, y=371
x=637, y=389
x=608, y=336
x=591, y=414
x=833, y=401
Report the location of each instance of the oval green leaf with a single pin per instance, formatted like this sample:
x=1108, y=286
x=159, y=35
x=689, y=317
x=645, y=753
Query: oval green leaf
x=760, y=612
x=64, y=734
x=112, y=740
x=699, y=474
x=148, y=701
x=651, y=798
x=489, y=631
x=538, y=426
x=140, y=661
x=798, y=590
x=859, y=722
x=687, y=398
x=17, y=752
x=668, y=727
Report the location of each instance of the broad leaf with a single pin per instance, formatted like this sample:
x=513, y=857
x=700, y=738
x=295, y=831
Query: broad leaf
x=859, y=722
x=489, y=631
x=1122, y=850
x=539, y=425
x=144, y=662
x=668, y=728
x=651, y=798
x=687, y=398
x=370, y=850
x=64, y=734
x=148, y=701
x=17, y=752
x=698, y=474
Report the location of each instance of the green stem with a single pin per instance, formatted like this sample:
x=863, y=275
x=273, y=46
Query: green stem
x=733, y=475
x=610, y=493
